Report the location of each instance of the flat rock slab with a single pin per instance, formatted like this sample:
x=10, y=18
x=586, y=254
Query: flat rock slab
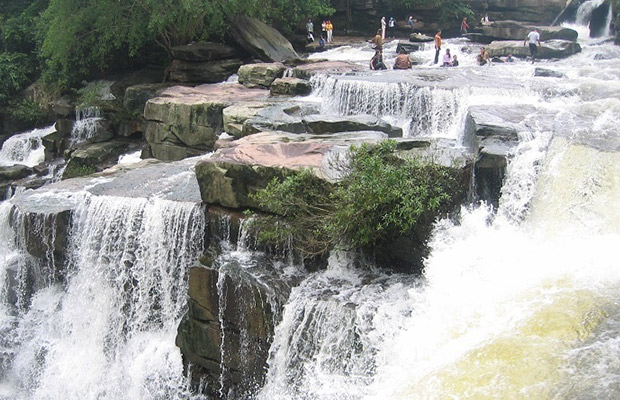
x=226, y=92
x=325, y=67
x=548, y=49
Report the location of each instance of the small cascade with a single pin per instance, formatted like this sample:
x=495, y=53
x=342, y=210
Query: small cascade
x=420, y=109
x=24, y=148
x=584, y=12
x=86, y=124
x=102, y=324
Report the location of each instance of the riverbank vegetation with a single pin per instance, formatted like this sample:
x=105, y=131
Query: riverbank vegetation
x=382, y=196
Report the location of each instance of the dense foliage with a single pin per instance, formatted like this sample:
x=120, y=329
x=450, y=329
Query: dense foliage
x=83, y=37
x=18, y=58
x=380, y=197
x=449, y=10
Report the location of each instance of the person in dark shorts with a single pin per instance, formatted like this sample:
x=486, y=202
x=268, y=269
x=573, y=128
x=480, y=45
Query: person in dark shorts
x=533, y=38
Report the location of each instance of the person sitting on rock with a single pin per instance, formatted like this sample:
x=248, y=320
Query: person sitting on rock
x=455, y=61
x=483, y=57
x=376, y=62
x=402, y=60
x=447, y=59
x=485, y=20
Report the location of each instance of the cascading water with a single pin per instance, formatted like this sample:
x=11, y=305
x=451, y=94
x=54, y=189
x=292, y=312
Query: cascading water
x=520, y=302
x=96, y=318
x=24, y=148
x=584, y=12
x=86, y=123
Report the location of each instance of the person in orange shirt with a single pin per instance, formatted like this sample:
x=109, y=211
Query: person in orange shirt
x=437, y=45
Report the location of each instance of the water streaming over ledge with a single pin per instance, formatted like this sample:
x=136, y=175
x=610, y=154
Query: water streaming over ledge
x=521, y=302
x=102, y=323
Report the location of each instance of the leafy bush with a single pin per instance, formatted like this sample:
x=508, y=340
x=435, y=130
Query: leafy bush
x=381, y=197
x=26, y=111
x=15, y=73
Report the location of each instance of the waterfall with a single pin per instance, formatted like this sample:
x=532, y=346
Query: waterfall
x=86, y=124
x=584, y=12
x=102, y=325
x=421, y=110
x=24, y=148
x=515, y=303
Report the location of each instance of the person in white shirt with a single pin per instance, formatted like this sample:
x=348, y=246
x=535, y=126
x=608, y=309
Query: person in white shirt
x=383, y=23
x=534, y=38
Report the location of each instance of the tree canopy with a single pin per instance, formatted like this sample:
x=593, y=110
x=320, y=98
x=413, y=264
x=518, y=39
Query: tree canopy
x=83, y=36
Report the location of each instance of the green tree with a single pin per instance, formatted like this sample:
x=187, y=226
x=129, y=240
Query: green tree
x=84, y=37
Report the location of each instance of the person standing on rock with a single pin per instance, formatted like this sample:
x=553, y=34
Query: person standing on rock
x=383, y=28
x=310, y=30
x=330, y=31
x=411, y=23
x=437, y=46
x=377, y=42
x=534, y=38
x=391, y=24
x=324, y=30
x=464, y=26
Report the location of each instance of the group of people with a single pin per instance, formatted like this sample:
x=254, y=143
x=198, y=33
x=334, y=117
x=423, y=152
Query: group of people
x=327, y=29
x=404, y=62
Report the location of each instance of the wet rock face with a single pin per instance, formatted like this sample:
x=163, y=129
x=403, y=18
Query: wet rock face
x=226, y=332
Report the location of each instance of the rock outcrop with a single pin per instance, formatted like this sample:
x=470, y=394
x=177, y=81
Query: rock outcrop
x=512, y=30
x=260, y=75
x=184, y=121
x=548, y=49
x=261, y=40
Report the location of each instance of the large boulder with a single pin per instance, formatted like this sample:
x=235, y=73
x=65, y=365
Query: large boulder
x=290, y=86
x=261, y=40
x=260, y=75
x=185, y=121
x=90, y=158
x=548, y=49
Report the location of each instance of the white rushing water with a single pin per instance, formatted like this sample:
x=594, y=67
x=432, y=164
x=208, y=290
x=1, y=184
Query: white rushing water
x=517, y=302
x=521, y=302
x=108, y=331
x=24, y=148
x=87, y=121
